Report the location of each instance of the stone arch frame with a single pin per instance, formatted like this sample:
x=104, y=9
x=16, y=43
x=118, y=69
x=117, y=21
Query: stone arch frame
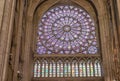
x=104, y=35
x=41, y=9
x=103, y=16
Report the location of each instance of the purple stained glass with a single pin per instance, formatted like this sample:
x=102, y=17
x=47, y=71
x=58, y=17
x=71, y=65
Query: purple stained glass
x=66, y=30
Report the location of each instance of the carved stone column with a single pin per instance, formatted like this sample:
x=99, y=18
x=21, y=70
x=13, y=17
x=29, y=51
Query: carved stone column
x=106, y=46
x=17, y=75
x=118, y=7
x=115, y=24
x=5, y=37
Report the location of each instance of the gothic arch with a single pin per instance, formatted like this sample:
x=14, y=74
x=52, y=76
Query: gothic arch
x=103, y=26
x=47, y=4
x=18, y=34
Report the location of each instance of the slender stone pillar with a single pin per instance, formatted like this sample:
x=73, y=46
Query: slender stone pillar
x=5, y=36
x=1, y=10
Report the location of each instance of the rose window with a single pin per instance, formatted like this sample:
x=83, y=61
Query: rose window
x=67, y=30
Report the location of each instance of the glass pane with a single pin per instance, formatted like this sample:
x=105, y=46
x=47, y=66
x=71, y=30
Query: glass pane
x=35, y=70
x=69, y=70
x=96, y=69
x=50, y=70
x=46, y=70
x=43, y=70
x=88, y=69
x=66, y=29
x=81, y=69
x=58, y=69
x=73, y=70
x=76, y=69
x=61, y=70
x=65, y=69
x=99, y=69
x=84, y=69
x=91, y=69
x=39, y=65
x=54, y=70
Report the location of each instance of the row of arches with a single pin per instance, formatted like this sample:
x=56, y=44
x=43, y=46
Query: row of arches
x=67, y=68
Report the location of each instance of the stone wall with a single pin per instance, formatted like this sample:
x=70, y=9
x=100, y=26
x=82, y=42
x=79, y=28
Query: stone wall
x=118, y=4
x=1, y=10
x=2, y=2
x=6, y=26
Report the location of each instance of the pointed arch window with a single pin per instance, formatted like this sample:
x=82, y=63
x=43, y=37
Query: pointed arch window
x=51, y=69
x=67, y=30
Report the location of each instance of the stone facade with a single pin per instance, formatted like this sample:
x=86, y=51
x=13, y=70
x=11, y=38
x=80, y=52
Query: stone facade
x=18, y=21
x=1, y=10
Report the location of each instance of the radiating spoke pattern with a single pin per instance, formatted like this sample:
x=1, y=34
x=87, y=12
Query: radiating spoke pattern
x=66, y=29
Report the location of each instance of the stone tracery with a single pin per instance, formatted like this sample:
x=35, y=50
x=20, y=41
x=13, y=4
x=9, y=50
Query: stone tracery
x=67, y=29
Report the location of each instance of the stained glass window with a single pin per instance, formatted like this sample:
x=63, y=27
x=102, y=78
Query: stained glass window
x=58, y=69
x=35, y=69
x=54, y=69
x=39, y=69
x=91, y=69
x=66, y=69
x=46, y=69
x=69, y=69
x=73, y=69
x=66, y=29
x=97, y=67
x=61, y=70
x=88, y=68
x=50, y=70
x=82, y=69
x=76, y=69
x=43, y=69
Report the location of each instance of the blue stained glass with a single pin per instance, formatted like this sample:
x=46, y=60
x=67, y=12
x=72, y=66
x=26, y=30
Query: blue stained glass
x=67, y=29
x=67, y=23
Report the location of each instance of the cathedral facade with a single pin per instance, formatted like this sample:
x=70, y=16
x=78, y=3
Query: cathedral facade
x=60, y=40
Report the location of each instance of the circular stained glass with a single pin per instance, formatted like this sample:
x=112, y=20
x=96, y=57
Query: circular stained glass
x=66, y=30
